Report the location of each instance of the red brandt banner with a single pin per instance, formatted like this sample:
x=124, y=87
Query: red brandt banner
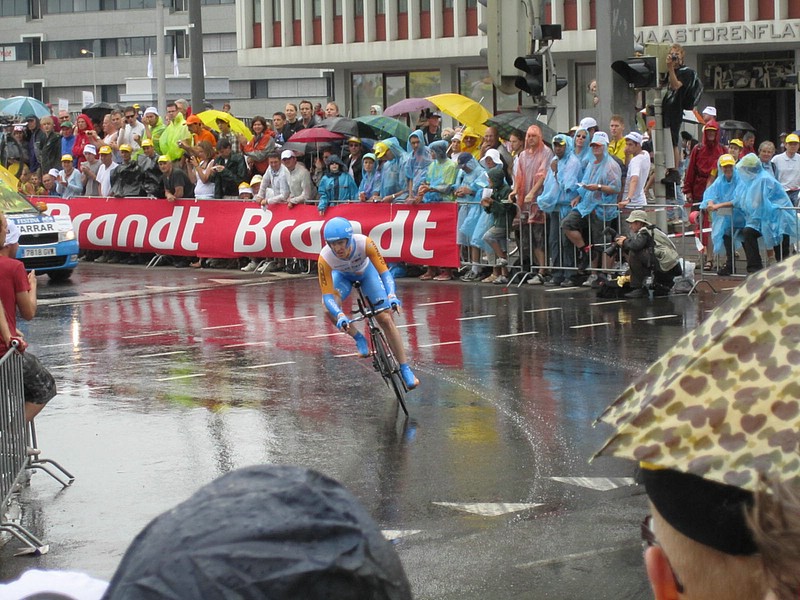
x=423, y=234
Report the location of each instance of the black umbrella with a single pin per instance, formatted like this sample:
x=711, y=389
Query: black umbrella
x=733, y=125
x=98, y=110
x=347, y=127
x=510, y=122
x=262, y=532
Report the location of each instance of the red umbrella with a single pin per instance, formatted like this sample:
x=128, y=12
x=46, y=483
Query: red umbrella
x=316, y=135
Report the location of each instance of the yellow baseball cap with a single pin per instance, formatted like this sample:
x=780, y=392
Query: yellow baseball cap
x=736, y=142
x=67, y=158
x=105, y=150
x=726, y=160
x=125, y=148
x=163, y=158
x=792, y=137
x=147, y=143
x=380, y=149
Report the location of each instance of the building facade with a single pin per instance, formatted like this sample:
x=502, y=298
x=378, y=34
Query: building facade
x=381, y=51
x=41, y=44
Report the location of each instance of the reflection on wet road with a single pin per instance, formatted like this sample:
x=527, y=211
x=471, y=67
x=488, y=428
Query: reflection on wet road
x=170, y=378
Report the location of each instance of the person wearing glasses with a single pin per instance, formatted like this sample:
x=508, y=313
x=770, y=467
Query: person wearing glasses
x=353, y=159
x=132, y=131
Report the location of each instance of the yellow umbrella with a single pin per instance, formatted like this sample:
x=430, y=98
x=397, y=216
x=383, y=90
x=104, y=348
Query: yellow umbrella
x=462, y=109
x=209, y=119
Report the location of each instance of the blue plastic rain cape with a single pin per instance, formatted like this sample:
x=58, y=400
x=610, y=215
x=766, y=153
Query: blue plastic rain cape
x=762, y=200
x=606, y=172
x=585, y=155
x=472, y=219
x=393, y=178
x=370, y=181
x=562, y=186
x=416, y=166
x=441, y=174
x=722, y=190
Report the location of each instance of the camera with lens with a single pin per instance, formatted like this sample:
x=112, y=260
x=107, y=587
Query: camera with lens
x=609, y=235
x=674, y=57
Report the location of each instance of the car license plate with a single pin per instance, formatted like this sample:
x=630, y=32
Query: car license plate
x=34, y=252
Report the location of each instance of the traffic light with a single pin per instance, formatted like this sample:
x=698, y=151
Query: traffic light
x=508, y=34
x=533, y=82
x=640, y=72
x=561, y=82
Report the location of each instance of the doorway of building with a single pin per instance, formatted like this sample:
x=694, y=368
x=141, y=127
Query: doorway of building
x=769, y=111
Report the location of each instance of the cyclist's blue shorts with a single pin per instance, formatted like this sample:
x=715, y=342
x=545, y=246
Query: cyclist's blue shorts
x=371, y=285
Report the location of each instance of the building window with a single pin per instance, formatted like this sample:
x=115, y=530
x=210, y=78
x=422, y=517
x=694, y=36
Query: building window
x=425, y=5
x=109, y=93
x=337, y=8
x=34, y=89
x=259, y=88
x=177, y=38
x=367, y=90
x=316, y=9
x=477, y=84
x=586, y=87
x=256, y=11
x=219, y=42
x=276, y=10
x=215, y=2
x=422, y=84
x=14, y=8
x=402, y=6
x=380, y=7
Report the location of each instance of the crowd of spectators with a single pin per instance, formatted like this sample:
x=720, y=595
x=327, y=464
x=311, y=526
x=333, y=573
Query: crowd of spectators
x=561, y=197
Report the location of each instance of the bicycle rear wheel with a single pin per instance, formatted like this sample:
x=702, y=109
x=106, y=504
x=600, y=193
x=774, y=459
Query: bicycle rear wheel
x=388, y=367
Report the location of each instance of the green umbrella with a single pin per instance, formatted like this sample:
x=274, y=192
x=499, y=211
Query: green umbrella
x=386, y=127
x=510, y=122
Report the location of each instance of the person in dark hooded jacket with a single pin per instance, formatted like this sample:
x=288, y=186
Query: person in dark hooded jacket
x=337, y=185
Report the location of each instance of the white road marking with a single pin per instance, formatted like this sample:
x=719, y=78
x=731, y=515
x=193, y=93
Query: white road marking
x=162, y=354
x=608, y=302
x=247, y=344
x=500, y=296
x=223, y=326
x=508, y=335
x=406, y=325
x=476, y=317
x=74, y=365
x=602, y=484
x=440, y=344
x=297, y=318
x=151, y=334
x=589, y=325
x=226, y=281
x=346, y=355
x=436, y=303
x=489, y=509
x=396, y=534
x=560, y=289
x=277, y=364
x=577, y=555
x=191, y=375
x=656, y=318
x=323, y=335
x=59, y=345
x=535, y=310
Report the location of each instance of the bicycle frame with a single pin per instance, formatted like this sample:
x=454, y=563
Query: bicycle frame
x=383, y=359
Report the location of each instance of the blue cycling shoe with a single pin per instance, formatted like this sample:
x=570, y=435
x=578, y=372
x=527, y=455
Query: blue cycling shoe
x=408, y=377
x=361, y=345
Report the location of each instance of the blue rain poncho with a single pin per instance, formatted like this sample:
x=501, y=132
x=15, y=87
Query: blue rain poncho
x=473, y=221
x=585, y=155
x=416, y=166
x=370, y=181
x=442, y=173
x=762, y=200
x=393, y=180
x=722, y=190
x=336, y=187
x=606, y=172
x=562, y=186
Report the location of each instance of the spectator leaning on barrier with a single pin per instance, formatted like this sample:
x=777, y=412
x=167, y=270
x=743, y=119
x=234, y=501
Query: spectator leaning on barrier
x=151, y=174
x=336, y=186
x=473, y=222
x=416, y=167
x=126, y=180
x=787, y=167
x=392, y=159
x=274, y=188
x=89, y=170
x=69, y=183
x=301, y=188
x=107, y=165
x=177, y=184
x=638, y=172
x=369, y=190
x=719, y=195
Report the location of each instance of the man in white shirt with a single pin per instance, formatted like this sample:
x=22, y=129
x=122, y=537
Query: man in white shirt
x=638, y=170
x=787, y=167
x=132, y=132
x=274, y=187
x=301, y=188
x=104, y=172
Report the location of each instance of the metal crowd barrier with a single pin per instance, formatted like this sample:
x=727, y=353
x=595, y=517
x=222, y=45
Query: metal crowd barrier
x=19, y=451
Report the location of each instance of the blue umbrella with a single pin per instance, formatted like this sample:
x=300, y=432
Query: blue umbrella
x=23, y=106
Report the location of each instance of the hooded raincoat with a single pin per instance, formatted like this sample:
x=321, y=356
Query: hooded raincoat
x=585, y=154
x=530, y=169
x=81, y=140
x=442, y=173
x=175, y=131
x=416, y=167
x=336, y=187
x=393, y=179
x=472, y=220
x=702, y=163
x=370, y=180
x=561, y=185
x=722, y=190
x=606, y=172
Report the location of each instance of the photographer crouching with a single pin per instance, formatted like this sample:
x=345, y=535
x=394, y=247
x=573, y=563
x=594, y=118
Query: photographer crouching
x=650, y=253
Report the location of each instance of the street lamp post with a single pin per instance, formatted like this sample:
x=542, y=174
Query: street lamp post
x=84, y=51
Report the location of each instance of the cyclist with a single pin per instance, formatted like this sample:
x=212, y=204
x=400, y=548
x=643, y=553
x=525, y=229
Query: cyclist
x=348, y=257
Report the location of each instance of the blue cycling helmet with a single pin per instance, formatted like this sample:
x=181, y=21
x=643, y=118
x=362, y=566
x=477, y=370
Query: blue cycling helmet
x=338, y=228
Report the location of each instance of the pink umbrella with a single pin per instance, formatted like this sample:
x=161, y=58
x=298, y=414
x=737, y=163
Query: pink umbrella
x=316, y=135
x=409, y=105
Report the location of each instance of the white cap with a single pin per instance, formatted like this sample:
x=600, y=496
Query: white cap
x=53, y=172
x=635, y=137
x=151, y=110
x=90, y=149
x=287, y=154
x=12, y=236
x=494, y=155
x=599, y=137
x=587, y=122
x=710, y=110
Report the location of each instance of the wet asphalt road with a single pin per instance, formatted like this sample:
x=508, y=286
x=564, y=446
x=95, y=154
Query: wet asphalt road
x=169, y=378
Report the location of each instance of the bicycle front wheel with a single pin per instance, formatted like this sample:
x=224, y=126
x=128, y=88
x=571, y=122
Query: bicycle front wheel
x=389, y=368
